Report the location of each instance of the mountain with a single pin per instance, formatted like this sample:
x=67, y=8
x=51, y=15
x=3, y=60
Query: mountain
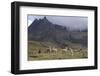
x=43, y=29
x=46, y=31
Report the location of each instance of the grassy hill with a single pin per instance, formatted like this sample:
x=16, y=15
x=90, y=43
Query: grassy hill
x=37, y=51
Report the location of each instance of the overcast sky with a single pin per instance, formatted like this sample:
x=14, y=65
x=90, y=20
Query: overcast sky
x=73, y=22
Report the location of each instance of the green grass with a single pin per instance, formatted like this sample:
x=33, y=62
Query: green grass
x=34, y=46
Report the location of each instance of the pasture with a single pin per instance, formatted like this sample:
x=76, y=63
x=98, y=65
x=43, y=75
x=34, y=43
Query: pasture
x=51, y=51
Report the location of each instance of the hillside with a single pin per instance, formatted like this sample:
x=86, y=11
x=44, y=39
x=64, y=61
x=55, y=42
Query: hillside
x=45, y=31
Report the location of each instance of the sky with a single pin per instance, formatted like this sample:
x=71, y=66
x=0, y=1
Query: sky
x=73, y=22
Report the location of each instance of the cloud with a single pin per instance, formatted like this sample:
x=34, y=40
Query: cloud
x=29, y=22
x=73, y=22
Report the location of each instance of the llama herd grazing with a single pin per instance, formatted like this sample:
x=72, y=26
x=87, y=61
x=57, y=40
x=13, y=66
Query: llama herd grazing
x=56, y=50
x=65, y=50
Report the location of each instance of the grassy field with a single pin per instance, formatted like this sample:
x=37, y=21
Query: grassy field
x=38, y=51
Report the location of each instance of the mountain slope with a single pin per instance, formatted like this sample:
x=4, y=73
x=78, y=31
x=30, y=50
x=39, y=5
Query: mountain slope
x=44, y=30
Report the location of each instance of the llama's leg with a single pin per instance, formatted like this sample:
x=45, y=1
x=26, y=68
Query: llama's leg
x=72, y=53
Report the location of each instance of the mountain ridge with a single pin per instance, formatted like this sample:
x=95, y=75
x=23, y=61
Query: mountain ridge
x=44, y=30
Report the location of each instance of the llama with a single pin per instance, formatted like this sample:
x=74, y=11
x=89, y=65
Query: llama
x=39, y=51
x=48, y=50
x=71, y=50
x=54, y=49
x=66, y=49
